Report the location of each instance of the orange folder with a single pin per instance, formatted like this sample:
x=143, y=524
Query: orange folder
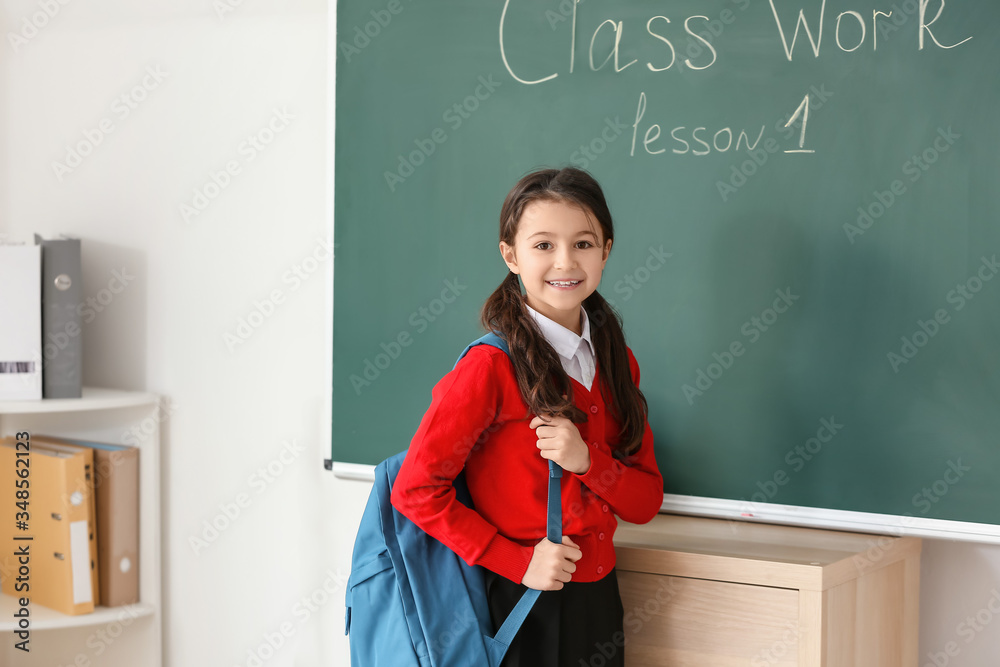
x=63, y=555
x=8, y=518
x=86, y=481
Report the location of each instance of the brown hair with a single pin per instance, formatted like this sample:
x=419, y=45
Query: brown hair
x=540, y=375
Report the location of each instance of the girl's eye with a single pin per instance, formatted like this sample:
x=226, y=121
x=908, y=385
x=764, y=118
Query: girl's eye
x=585, y=244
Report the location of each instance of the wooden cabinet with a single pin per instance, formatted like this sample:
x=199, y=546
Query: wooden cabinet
x=110, y=636
x=714, y=593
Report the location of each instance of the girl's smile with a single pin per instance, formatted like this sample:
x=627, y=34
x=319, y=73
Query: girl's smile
x=563, y=284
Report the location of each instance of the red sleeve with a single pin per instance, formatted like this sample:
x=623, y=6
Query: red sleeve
x=464, y=403
x=633, y=489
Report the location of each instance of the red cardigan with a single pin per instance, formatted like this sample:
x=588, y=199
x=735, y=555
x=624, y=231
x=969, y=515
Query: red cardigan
x=476, y=420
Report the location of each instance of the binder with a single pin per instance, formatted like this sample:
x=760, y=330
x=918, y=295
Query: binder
x=116, y=488
x=63, y=570
x=78, y=482
x=21, y=318
x=62, y=336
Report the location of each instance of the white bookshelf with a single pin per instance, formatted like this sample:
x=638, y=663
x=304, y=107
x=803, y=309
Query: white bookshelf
x=110, y=636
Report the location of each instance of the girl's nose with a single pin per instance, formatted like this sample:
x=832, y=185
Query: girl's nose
x=565, y=259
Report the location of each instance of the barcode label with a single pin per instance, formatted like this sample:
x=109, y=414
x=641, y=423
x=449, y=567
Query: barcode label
x=17, y=366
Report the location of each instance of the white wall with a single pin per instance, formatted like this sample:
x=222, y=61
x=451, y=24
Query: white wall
x=194, y=280
x=222, y=79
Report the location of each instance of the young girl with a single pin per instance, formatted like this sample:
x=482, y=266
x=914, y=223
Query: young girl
x=568, y=392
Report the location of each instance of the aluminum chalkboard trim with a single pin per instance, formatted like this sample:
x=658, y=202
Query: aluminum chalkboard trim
x=810, y=517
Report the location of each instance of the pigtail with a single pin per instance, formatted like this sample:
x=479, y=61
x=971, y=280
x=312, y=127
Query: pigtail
x=618, y=389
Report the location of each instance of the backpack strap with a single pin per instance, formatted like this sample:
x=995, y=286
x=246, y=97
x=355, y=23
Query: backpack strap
x=492, y=338
x=553, y=527
x=383, y=491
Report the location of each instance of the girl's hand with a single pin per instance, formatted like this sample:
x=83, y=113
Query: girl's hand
x=552, y=565
x=559, y=440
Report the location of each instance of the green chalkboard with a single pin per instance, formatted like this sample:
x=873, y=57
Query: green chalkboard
x=807, y=218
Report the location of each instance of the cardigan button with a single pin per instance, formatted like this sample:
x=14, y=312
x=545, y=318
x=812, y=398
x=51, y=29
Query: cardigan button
x=600, y=569
x=604, y=507
x=600, y=536
x=593, y=409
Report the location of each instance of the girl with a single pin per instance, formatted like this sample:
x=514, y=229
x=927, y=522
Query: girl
x=568, y=392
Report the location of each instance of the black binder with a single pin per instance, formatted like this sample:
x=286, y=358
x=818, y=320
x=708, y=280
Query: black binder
x=62, y=335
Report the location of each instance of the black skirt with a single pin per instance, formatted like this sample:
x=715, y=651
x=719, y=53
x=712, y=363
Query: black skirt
x=577, y=626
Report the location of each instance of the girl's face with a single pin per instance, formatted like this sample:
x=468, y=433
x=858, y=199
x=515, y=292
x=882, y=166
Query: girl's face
x=559, y=252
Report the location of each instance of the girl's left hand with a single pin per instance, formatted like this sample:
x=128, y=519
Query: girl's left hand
x=559, y=440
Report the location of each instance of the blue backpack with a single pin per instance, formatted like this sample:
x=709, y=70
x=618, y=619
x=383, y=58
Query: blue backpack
x=411, y=600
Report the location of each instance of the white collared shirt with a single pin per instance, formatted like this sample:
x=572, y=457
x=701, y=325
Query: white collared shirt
x=575, y=352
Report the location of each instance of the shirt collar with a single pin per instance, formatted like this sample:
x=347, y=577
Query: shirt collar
x=562, y=340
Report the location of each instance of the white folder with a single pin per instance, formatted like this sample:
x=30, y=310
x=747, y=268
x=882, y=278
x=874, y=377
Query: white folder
x=20, y=322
